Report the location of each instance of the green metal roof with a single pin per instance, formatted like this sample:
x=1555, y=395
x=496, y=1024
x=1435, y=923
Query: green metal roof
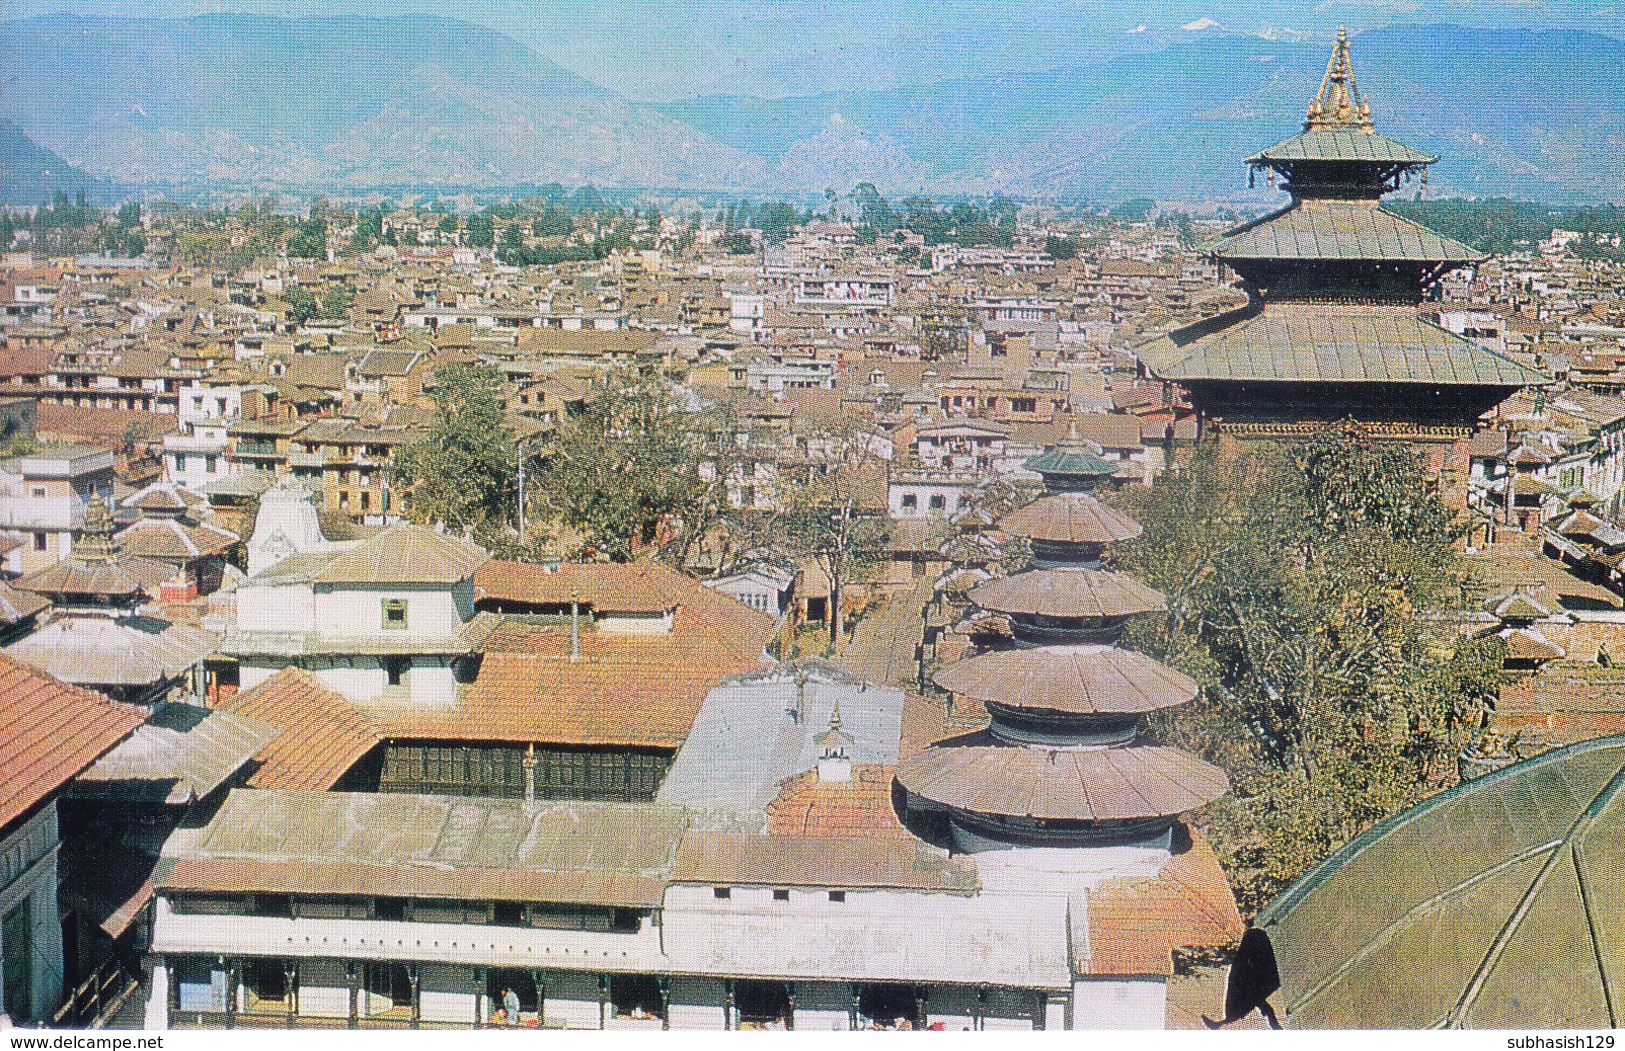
x=1357, y=145
x=1496, y=904
x=1071, y=459
x=1337, y=343
x=1337, y=229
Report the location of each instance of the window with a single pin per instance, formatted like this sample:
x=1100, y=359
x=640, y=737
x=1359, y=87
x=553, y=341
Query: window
x=17, y=938
x=939, y=502
x=39, y=492
x=394, y=614
x=636, y=996
x=837, y=895
x=335, y=907
x=722, y=892
x=781, y=895
x=508, y=913
x=389, y=908
x=366, y=501
x=277, y=905
x=265, y=981
x=41, y=542
x=395, y=670
x=910, y=501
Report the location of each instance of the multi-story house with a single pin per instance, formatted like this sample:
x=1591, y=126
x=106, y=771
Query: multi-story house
x=387, y=619
x=43, y=498
x=55, y=731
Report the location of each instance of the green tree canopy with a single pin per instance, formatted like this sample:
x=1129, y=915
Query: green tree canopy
x=464, y=471
x=1298, y=582
x=639, y=467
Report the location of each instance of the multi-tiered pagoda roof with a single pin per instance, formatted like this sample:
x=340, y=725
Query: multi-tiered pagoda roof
x=1062, y=763
x=1331, y=330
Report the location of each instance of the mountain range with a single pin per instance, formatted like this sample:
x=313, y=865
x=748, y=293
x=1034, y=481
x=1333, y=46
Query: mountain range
x=347, y=103
x=30, y=174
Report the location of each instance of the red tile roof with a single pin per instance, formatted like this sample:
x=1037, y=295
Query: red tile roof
x=644, y=586
x=323, y=734
x=49, y=732
x=806, y=806
x=627, y=689
x=1135, y=925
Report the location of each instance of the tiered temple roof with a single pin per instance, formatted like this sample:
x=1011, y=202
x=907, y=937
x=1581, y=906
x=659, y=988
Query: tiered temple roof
x=1062, y=762
x=1331, y=330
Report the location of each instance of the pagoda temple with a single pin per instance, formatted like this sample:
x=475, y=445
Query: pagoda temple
x=1331, y=331
x=1062, y=764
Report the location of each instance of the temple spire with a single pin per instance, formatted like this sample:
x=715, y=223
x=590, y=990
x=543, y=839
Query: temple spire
x=1337, y=105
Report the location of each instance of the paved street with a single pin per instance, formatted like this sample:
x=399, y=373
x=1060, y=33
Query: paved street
x=882, y=647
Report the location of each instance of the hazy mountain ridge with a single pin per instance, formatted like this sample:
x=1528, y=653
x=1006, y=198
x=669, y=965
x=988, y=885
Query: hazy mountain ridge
x=1538, y=114
x=355, y=102
x=30, y=174
x=349, y=101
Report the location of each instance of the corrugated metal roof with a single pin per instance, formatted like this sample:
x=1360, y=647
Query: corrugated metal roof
x=133, y=651
x=978, y=774
x=828, y=862
x=1082, y=679
x=17, y=606
x=406, y=554
x=1496, y=904
x=1073, y=518
x=1339, y=229
x=754, y=731
x=183, y=753
x=1327, y=145
x=1337, y=343
x=1068, y=592
x=428, y=846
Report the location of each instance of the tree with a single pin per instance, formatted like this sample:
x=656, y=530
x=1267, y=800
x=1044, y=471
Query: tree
x=777, y=221
x=336, y=303
x=481, y=230
x=638, y=467
x=309, y=240
x=303, y=302
x=825, y=517
x=1134, y=210
x=464, y=471
x=1297, y=583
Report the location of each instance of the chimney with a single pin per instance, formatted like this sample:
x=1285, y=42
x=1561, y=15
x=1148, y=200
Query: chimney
x=834, y=751
x=575, y=626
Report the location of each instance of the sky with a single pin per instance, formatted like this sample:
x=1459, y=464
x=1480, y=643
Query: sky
x=656, y=50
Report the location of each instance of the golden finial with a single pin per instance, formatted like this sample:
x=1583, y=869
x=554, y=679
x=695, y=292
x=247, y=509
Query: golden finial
x=1338, y=104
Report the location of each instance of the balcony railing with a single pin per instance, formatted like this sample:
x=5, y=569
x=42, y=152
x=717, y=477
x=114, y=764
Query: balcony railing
x=97, y=998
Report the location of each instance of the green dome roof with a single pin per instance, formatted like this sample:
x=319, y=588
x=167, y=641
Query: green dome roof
x=1496, y=904
x=1073, y=457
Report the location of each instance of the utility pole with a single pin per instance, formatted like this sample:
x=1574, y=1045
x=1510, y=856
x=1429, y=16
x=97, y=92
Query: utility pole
x=521, y=446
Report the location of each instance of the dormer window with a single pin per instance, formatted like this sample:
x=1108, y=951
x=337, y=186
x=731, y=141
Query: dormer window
x=395, y=614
